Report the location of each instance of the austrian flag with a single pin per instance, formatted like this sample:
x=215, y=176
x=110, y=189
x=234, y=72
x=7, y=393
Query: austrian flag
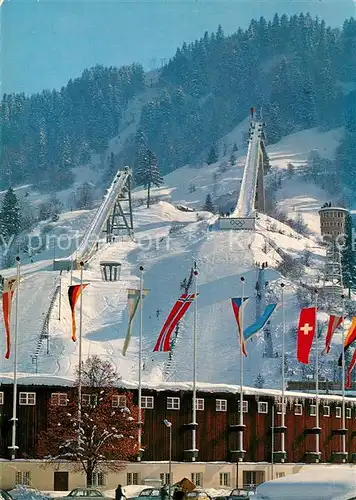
x=334, y=323
x=163, y=343
x=74, y=292
x=7, y=296
x=306, y=332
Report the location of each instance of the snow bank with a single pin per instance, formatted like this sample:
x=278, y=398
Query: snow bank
x=322, y=483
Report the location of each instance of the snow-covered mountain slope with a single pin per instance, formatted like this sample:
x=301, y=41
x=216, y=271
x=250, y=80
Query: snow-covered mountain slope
x=167, y=255
x=190, y=184
x=168, y=241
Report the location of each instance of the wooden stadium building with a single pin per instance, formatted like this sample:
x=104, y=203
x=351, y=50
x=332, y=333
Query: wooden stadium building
x=217, y=419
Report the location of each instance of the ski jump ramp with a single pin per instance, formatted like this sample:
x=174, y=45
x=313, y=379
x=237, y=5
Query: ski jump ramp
x=109, y=217
x=252, y=186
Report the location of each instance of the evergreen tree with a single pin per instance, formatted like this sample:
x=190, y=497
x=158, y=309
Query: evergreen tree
x=212, y=156
x=148, y=173
x=10, y=217
x=209, y=205
x=259, y=382
x=348, y=259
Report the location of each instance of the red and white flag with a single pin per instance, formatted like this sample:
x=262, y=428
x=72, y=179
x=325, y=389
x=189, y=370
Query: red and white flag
x=7, y=295
x=334, y=323
x=306, y=332
x=163, y=343
x=349, y=370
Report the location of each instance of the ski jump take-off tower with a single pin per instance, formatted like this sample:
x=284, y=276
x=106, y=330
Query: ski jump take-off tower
x=252, y=192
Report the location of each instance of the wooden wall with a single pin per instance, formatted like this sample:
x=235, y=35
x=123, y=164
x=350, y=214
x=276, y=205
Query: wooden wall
x=215, y=438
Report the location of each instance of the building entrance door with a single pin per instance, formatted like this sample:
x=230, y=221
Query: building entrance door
x=61, y=481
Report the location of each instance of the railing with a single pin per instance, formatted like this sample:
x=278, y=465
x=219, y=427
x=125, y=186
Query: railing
x=45, y=328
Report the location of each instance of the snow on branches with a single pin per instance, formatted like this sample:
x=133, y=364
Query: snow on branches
x=103, y=439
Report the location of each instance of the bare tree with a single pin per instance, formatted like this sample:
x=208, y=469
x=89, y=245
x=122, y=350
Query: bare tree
x=84, y=198
x=97, y=373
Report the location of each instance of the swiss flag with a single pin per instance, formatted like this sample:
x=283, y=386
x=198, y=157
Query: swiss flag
x=306, y=331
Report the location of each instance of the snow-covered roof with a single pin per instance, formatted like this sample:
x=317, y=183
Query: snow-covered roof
x=41, y=380
x=327, y=209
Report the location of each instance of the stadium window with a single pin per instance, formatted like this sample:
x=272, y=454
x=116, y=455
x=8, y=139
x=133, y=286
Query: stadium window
x=89, y=400
x=164, y=478
x=1, y=398
x=221, y=405
x=244, y=406
x=98, y=479
x=27, y=398
x=147, y=402
x=326, y=411
x=279, y=408
x=338, y=412
x=23, y=478
x=224, y=476
x=312, y=410
x=348, y=412
x=173, y=403
x=298, y=409
x=132, y=478
x=262, y=407
x=118, y=401
x=59, y=399
x=197, y=478
x=199, y=404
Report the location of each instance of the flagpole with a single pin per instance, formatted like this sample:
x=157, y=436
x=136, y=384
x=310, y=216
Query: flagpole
x=317, y=436
x=60, y=296
x=80, y=353
x=241, y=415
x=195, y=355
x=283, y=376
x=71, y=271
x=14, y=419
x=343, y=437
x=140, y=369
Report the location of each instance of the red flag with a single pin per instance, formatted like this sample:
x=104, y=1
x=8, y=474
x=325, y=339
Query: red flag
x=306, y=331
x=7, y=295
x=73, y=295
x=334, y=323
x=349, y=338
x=238, y=306
x=176, y=314
x=349, y=370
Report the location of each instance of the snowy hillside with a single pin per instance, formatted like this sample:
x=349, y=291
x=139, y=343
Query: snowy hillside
x=168, y=241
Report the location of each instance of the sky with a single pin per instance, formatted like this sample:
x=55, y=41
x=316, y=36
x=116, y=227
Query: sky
x=46, y=42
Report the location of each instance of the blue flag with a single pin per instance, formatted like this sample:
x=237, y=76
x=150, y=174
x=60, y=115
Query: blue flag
x=260, y=322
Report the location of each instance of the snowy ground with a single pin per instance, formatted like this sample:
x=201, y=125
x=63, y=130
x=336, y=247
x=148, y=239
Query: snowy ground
x=221, y=258
x=168, y=241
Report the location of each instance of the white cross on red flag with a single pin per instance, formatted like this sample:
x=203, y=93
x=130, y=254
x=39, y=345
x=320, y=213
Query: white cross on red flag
x=306, y=332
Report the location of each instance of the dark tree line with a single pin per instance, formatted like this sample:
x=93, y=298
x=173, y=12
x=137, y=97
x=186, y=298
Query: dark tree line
x=296, y=68
x=43, y=136
x=291, y=67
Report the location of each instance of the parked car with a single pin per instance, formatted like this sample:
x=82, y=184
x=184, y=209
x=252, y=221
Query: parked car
x=22, y=492
x=148, y=494
x=238, y=494
x=198, y=494
x=4, y=495
x=91, y=493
